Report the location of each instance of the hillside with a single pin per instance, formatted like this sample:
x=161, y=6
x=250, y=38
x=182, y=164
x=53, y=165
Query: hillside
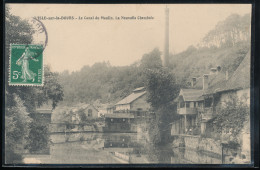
x=196, y=62
x=103, y=83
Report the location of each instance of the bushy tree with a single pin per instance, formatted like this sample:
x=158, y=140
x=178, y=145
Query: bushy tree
x=82, y=115
x=151, y=60
x=231, y=117
x=162, y=89
x=22, y=100
x=17, y=123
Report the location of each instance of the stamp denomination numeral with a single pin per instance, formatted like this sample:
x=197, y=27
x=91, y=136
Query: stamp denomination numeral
x=16, y=74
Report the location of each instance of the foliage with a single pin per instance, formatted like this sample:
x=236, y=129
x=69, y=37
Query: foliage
x=17, y=123
x=52, y=90
x=109, y=83
x=161, y=86
x=232, y=116
x=161, y=91
x=38, y=137
x=151, y=60
x=22, y=100
x=82, y=115
x=232, y=30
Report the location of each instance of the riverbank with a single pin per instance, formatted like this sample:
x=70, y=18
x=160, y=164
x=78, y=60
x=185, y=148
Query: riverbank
x=212, y=147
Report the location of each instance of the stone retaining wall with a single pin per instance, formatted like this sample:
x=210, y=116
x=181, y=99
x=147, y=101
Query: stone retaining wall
x=198, y=143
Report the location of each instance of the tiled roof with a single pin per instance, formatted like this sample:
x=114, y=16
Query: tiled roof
x=132, y=97
x=191, y=94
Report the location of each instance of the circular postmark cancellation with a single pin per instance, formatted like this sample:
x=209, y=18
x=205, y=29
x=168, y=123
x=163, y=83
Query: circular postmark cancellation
x=26, y=60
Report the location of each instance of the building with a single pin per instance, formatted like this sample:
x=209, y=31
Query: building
x=120, y=122
x=198, y=105
x=89, y=110
x=43, y=114
x=136, y=101
x=111, y=109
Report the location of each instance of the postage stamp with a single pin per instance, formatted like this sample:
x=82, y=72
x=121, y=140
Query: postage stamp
x=26, y=65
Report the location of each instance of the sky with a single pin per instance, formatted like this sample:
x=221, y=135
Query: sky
x=75, y=43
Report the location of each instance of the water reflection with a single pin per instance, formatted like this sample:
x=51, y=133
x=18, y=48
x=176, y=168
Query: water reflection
x=115, y=148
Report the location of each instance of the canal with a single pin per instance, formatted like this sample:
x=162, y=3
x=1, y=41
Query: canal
x=113, y=148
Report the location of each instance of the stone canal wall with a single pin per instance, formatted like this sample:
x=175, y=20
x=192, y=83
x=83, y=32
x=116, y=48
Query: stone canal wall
x=198, y=143
x=210, y=145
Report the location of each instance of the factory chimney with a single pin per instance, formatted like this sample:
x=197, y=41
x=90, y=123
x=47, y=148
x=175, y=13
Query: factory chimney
x=166, y=38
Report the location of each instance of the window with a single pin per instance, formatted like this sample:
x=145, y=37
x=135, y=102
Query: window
x=111, y=120
x=89, y=112
x=123, y=120
x=187, y=104
x=182, y=104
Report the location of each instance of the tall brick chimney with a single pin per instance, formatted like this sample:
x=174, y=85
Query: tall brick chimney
x=205, y=81
x=166, y=38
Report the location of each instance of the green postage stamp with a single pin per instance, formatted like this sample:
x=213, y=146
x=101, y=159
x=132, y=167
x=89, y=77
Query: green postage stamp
x=26, y=65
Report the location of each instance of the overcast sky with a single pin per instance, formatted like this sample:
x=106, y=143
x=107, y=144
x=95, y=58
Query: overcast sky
x=75, y=43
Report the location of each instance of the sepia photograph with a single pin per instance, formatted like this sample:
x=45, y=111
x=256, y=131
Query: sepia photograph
x=139, y=84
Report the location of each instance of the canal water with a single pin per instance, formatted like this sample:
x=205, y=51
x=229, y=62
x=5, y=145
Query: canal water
x=113, y=148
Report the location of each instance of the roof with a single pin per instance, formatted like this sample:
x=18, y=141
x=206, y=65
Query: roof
x=45, y=106
x=139, y=89
x=119, y=115
x=191, y=94
x=217, y=86
x=218, y=83
x=212, y=80
x=132, y=97
x=83, y=106
x=44, y=111
x=241, y=77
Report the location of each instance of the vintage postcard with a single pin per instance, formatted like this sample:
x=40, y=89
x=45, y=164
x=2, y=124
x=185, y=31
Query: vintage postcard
x=98, y=84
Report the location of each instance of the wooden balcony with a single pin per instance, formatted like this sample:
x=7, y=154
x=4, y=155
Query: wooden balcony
x=186, y=111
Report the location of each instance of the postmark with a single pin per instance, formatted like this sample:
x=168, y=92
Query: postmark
x=26, y=65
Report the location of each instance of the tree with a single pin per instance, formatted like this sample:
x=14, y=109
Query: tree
x=161, y=86
x=151, y=60
x=231, y=117
x=21, y=100
x=82, y=115
x=162, y=89
x=17, y=122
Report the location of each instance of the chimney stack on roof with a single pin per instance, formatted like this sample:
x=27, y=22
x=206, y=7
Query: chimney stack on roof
x=193, y=81
x=205, y=81
x=218, y=68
